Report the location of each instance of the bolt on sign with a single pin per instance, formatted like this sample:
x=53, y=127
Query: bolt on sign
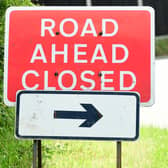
x=86, y=48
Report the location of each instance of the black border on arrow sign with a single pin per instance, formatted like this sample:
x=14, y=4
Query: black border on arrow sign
x=77, y=92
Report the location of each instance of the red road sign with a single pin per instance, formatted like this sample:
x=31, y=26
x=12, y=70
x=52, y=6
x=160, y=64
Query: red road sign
x=86, y=48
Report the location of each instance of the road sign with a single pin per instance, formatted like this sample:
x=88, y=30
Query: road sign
x=86, y=48
x=77, y=115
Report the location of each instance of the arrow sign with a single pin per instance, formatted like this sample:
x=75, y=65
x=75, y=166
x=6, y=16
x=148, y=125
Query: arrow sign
x=91, y=115
x=58, y=115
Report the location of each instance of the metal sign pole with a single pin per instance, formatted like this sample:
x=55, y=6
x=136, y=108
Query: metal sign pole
x=34, y=153
x=88, y=2
x=140, y=2
x=118, y=154
x=37, y=154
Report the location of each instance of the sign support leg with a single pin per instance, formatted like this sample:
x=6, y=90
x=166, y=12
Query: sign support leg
x=118, y=154
x=37, y=154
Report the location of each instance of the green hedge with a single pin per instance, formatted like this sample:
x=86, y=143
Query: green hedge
x=13, y=153
x=4, y=4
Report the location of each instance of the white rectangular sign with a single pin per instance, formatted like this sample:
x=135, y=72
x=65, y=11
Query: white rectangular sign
x=77, y=115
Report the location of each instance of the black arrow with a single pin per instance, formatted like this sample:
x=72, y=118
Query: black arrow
x=91, y=115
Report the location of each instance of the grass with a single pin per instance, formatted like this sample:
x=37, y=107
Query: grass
x=13, y=153
x=162, y=47
x=150, y=151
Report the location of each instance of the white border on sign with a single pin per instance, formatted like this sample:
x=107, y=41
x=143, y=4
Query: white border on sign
x=82, y=8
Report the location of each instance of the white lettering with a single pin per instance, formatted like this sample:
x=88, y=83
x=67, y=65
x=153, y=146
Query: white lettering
x=29, y=72
x=77, y=53
x=64, y=52
x=88, y=28
x=46, y=87
x=123, y=74
x=104, y=27
x=75, y=30
x=104, y=80
x=85, y=79
x=47, y=25
x=114, y=53
x=38, y=50
x=74, y=80
x=102, y=56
